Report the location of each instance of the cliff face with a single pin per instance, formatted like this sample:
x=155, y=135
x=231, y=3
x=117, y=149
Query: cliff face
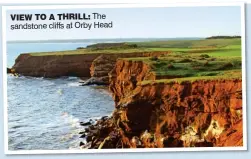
x=125, y=76
x=199, y=113
x=103, y=64
x=72, y=65
x=54, y=66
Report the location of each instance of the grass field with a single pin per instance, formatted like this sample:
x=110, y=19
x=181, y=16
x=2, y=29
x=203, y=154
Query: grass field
x=232, y=74
x=207, y=45
x=204, y=59
x=89, y=51
x=190, y=43
x=191, y=65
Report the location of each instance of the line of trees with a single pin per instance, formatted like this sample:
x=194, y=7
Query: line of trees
x=223, y=37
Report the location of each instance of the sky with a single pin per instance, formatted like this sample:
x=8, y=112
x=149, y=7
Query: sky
x=166, y=22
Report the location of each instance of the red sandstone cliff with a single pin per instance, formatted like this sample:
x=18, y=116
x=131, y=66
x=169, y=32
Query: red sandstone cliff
x=199, y=113
x=54, y=66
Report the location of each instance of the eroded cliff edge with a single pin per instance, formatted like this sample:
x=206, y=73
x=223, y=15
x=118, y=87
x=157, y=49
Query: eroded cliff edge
x=200, y=113
x=76, y=64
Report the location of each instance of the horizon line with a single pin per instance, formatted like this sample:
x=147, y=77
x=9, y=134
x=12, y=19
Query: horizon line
x=50, y=40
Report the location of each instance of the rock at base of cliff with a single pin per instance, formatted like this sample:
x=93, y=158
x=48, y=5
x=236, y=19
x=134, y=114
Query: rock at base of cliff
x=94, y=81
x=12, y=71
x=9, y=70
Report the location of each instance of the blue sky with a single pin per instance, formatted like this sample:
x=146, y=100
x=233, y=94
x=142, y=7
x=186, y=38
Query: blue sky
x=168, y=22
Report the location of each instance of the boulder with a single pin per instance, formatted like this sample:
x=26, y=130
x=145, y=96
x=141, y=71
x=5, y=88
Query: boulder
x=9, y=70
x=82, y=136
x=81, y=144
x=94, y=81
x=85, y=123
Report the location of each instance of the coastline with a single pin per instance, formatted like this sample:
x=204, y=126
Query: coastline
x=202, y=124
x=152, y=109
x=54, y=121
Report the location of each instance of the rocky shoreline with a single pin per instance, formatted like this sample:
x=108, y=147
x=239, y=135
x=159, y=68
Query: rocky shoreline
x=104, y=134
x=101, y=134
x=204, y=113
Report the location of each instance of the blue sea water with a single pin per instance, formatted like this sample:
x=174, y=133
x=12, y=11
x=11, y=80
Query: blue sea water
x=44, y=114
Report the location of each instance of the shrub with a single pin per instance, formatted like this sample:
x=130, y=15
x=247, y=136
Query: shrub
x=195, y=64
x=207, y=74
x=185, y=60
x=204, y=55
x=212, y=59
x=225, y=66
x=160, y=64
x=80, y=48
x=154, y=58
x=170, y=66
x=100, y=46
x=206, y=63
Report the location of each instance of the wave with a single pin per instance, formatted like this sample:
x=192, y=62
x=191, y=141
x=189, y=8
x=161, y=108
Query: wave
x=17, y=126
x=94, y=119
x=24, y=77
x=73, y=78
x=70, y=119
x=74, y=84
x=43, y=78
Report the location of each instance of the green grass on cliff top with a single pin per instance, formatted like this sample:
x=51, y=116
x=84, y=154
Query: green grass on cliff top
x=190, y=65
x=89, y=51
x=231, y=74
x=190, y=43
x=175, y=46
x=214, y=63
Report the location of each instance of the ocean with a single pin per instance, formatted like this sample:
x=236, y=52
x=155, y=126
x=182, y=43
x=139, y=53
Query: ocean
x=44, y=114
